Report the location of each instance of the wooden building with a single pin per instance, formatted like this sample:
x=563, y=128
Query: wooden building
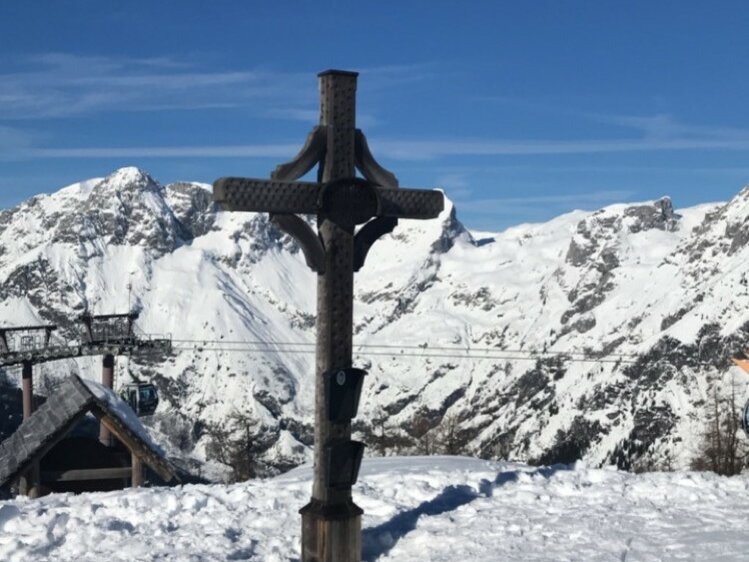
x=42, y=456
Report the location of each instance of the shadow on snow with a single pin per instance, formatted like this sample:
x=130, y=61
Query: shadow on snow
x=378, y=541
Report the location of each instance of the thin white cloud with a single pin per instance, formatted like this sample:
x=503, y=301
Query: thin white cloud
x=531, y=203
x=485, y=168
x=312, y=115
x=295, y=114
x=663, y=126
x=62, y=85
x=396, y=149
x=386, y=77
x=453, y=179
x=429, y=150
x=12, y=139
x=235, y=151
x=658, y=126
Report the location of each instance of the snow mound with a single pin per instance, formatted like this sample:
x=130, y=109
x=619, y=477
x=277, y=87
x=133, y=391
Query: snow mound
x=416, y=508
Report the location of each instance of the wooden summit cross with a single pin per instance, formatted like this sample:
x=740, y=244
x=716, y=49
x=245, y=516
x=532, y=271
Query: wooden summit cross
x=331, y=522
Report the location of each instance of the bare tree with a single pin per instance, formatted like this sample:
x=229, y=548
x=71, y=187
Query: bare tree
x=400, y=443
x=721, y=449
x=218, y=446
x=503, y=447
x=239, y=447
x=385, y=437
x=378, y=437
x=424, y=438
x=448, y=440
x=651, y=463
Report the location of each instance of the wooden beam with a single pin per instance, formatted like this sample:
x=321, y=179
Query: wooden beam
x=27, y=381
x=311, y=153
x=86, y=474
x=130, y=441
x=137, y=472
x=107, y=380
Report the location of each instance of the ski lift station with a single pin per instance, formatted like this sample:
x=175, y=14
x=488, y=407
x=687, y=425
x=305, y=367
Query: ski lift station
x=84, y=436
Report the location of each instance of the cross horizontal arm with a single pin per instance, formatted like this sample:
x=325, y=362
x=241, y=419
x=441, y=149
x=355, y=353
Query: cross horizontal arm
x=410, y=203
x=270, y=196
x=276, y=196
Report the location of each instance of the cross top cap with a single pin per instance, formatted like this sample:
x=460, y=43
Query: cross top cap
x=334, y=72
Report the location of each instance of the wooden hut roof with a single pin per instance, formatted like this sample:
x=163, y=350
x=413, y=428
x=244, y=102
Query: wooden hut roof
x=72, y=400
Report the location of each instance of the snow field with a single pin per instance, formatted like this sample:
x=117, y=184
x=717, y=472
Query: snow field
x=416, y=508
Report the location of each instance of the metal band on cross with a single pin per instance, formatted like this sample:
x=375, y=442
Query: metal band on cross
x=331, y=522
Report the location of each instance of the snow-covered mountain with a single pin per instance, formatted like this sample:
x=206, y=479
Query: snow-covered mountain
x=595, y=335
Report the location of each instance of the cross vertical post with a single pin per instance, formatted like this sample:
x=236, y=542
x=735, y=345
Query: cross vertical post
x=331, y=522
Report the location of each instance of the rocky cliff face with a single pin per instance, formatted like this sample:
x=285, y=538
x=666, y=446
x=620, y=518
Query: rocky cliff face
x=595, y=335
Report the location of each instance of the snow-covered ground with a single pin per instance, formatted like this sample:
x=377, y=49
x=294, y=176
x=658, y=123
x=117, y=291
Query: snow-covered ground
x=416, y=508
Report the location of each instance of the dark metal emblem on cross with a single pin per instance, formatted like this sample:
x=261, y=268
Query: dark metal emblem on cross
x=331, y=522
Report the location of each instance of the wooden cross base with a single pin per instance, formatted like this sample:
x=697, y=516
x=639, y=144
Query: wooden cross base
x=330, y=532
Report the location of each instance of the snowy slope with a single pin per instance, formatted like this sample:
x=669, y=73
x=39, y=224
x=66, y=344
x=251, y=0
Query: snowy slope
x=416, y=509
x=605, y=330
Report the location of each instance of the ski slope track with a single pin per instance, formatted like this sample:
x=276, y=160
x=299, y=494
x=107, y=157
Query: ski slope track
x=609, y=328
x=435, y=509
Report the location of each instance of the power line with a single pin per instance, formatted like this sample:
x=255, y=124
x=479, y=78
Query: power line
x=425, y=347
x=613, y=359
x=426, y=354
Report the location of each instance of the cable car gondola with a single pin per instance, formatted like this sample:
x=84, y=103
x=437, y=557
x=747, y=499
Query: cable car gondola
x=142, y=397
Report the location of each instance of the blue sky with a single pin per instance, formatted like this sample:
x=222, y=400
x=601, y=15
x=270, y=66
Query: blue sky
x=520, y=110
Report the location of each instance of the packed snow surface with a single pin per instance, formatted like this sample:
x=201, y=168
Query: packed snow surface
x=416, y=508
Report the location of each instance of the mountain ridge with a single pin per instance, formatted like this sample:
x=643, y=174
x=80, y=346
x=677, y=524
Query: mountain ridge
x=641, y=282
